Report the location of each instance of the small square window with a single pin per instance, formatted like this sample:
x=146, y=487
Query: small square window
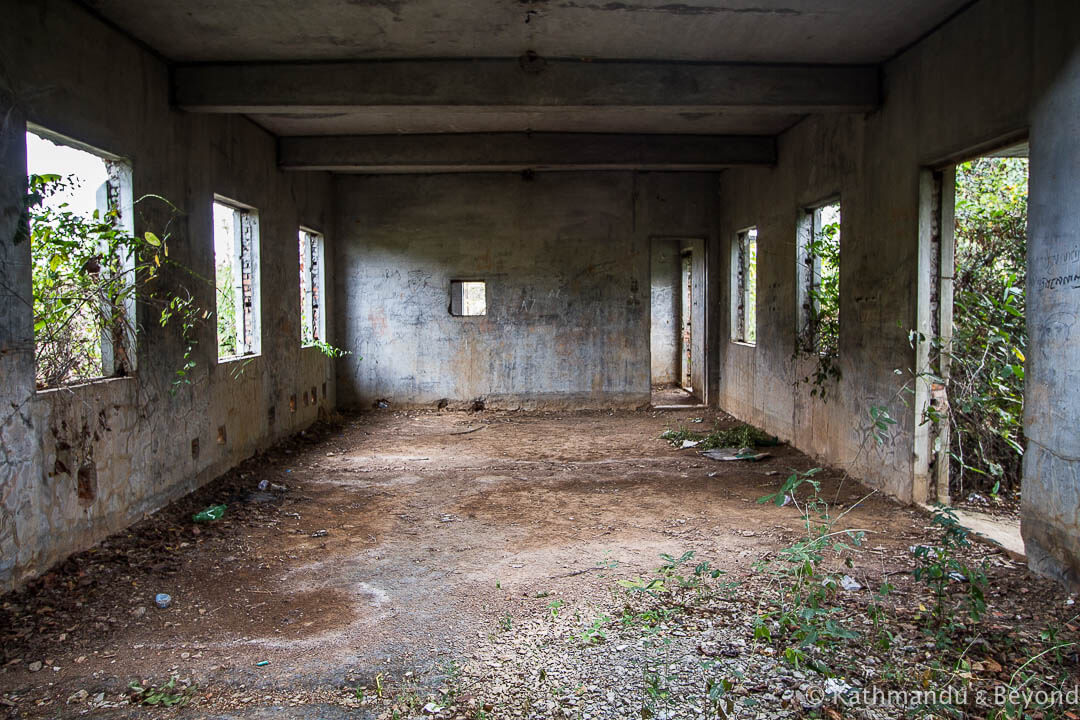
x=468, y=298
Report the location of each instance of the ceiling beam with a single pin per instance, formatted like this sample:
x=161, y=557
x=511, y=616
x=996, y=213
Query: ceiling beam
x=512, y=152
x=527, y=82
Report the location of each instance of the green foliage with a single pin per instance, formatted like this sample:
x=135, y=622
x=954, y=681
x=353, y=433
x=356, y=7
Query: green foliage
x=718, y=690
x=821, y=336
x=824, y=249
x=940, y=567
x=806, y=617
x=594, y=633
x=87, y=276
x=738, y=436
x=329, y=350
x=989, y=343
x=676, y=437
x=167, y=695
x=227, y=333
x=880, y=420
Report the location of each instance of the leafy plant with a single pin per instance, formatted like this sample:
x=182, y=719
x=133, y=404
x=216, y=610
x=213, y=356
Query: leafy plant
x=940, y=565
x=824, y=252
x=987, y=351
x=718, y=701
x=594, y=634
x=806, y=616
x=740, y=435
x=88, y=276
x=821, y=335
x=880, y=422
x=329, y=350
x=167, y=695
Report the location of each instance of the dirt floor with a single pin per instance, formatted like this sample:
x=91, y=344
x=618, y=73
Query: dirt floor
x=670, y=396
x=392, y=544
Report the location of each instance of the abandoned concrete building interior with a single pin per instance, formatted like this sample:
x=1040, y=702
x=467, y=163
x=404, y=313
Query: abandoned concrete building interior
x=401, y=358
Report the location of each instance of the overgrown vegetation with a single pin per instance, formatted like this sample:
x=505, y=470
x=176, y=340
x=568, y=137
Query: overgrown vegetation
x=169, y=694
x=820, y=338
x=804, y=620
x=822, y=619
x=88, y=276
x=91, y=278
x=989, y=343
x=738, y=436
x=941, y=565
x=228, y=345
x=821, y=628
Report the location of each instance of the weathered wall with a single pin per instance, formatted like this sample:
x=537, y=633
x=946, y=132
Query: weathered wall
x=958, y=90
x=567, y=260
x=64, y=70
x=697, y=247
x=665, y=310
x=1051, y=485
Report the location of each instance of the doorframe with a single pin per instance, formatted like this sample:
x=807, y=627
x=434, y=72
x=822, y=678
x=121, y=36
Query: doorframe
x=936, y=271
x=686, y=318
x=699, y=244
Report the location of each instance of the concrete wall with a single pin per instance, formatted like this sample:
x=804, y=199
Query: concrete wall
x=567, y=260
x=963, y=89
x=1051, y=485
x=666, y=308
x=63, y=69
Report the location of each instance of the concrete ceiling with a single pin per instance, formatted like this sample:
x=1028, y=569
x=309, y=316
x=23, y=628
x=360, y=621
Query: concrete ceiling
x=399, y=67
x=788, y=31
x=385, y=120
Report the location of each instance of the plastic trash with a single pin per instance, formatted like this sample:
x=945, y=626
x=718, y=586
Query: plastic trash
x=263, y=484
x=214, y=512
x=850, y=584
x=163, y=600
x=728, y=454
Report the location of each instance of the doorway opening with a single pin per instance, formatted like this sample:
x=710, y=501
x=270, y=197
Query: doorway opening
x=686, y=330
x=973, y=333
x=677, y=322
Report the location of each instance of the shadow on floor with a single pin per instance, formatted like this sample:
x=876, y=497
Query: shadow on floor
x=672, y=396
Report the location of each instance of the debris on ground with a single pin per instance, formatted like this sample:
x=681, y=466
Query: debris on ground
x=469, y=431
x=730, y=454
x=482, y=578
x=210, y=514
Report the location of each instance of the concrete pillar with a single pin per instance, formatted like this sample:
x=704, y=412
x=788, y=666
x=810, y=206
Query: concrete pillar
x=1051, y=484
x=16, y=335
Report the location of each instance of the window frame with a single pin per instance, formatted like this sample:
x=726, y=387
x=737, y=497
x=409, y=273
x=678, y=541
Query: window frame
x=808, y=275
x=313, y=295
x=119, y=194
x=248, y=327
x=741, y=291
x=457, y=298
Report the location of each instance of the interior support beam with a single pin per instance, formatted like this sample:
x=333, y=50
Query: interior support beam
x=528, y=82
x=504, y=152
